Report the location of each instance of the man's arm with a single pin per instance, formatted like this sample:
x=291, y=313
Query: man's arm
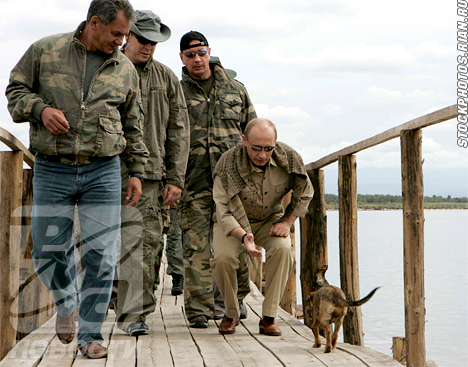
x=248, y=111
x=177, y=142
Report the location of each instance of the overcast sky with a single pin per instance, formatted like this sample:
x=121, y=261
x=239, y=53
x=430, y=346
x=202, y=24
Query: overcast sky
x=327, y=73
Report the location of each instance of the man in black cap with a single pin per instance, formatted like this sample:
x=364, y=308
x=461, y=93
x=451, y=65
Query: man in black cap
x=219, y=108
x=166, y=133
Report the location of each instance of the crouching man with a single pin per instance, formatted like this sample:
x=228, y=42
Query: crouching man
x=250, y=182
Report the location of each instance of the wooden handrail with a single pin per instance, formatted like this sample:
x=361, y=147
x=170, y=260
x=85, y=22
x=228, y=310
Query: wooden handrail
x=14, y=144
x=433, y=118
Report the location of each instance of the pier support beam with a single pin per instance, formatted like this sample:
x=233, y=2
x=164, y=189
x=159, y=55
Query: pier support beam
x=11, y=180
x=349, y=267
x=314, y=251
x=413, y=244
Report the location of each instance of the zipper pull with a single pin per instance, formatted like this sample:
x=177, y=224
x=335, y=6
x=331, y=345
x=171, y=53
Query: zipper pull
x=83, y=108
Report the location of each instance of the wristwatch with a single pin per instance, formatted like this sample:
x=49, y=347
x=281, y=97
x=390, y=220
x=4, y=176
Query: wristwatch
x=137, y=175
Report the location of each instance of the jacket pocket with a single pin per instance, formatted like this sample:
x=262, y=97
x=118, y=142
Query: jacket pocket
x=230, y=106
x=110, y=138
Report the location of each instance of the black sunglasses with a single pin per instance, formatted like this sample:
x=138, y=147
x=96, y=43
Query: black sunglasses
x=143, y=40
x=191, y=54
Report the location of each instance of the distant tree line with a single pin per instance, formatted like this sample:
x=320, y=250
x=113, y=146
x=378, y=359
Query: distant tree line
x=331, y=198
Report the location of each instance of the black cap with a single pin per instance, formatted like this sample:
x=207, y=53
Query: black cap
x=189, y=37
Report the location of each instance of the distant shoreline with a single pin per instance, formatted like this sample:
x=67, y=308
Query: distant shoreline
x=399, y=206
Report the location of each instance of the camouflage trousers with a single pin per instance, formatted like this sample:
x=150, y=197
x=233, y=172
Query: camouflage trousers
x=140, y=239
x=197, y=235
x=174, y=250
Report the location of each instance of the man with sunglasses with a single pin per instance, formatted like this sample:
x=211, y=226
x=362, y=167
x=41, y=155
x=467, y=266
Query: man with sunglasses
x=219, y=108
x=250, y=182
x=166, y=134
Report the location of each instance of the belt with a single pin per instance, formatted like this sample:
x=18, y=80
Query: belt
x=70, y=159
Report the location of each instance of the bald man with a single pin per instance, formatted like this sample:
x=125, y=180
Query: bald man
x=250, y=181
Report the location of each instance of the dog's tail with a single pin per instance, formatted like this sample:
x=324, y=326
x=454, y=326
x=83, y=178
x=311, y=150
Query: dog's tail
x=363, y=300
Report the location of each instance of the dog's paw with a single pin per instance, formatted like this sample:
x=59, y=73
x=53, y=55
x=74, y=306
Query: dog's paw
x=317, y=345
x=328, y=349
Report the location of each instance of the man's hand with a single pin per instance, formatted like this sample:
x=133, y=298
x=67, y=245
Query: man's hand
x=134, y=191
x=280, y=229
x=250, y=245
x=171, y=195
x=54, y=120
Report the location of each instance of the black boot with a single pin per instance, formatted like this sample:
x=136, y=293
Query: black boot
x=177, y=284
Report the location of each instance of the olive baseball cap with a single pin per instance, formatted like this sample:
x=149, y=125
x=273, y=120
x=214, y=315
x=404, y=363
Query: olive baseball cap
x=148, y=25
x=189, y=37
x=230, y=72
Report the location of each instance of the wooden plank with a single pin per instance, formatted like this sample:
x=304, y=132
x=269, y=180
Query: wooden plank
x=413, y=246
x=14, y=144
x=348, y=238
x=122, y=351
x=436, y=117
x=59, y=355
x=11, y=182
x=29, y=351
x=154, y=349
x=184, y=352
x=288, y=353
x=368, y=356
x=314, y=251
x=249, y=350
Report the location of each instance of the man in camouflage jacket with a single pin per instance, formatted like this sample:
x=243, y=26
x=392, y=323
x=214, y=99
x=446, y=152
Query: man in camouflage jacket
x=166, y=134
x=219, y=109
x=80, y=95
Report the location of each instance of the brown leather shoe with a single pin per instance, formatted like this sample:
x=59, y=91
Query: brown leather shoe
x=228, y=325
x=268, y=326
x=94, y=350
x=65, y=328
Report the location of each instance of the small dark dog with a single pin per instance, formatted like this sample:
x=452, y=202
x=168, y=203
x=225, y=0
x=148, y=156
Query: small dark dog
x=327, y=305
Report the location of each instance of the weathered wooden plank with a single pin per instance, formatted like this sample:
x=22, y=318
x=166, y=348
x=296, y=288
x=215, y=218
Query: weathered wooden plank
x=11, y=182
x=29, y=351
x=154, y=349
x=59, y=355
x=348, y=238
x=288, y=353
x=250, y=352
x=122, y=351
x=413, y=246
x=184, y=351
x=370, y=357
x=436, y=117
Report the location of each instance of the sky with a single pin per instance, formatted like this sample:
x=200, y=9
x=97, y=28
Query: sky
x=328, y=73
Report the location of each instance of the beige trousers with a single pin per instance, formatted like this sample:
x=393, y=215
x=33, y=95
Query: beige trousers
x=278, y=267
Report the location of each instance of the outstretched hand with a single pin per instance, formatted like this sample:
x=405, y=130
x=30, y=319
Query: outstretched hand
x=250, y=246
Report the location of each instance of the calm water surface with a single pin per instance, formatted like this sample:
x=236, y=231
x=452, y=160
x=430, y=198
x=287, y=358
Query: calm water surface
x=380, y=236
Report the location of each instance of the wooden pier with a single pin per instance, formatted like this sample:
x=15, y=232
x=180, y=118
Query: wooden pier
x=172, y=343
x=25, y=304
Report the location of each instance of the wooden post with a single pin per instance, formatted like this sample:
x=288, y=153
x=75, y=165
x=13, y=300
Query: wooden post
x=399, y=349
x=11, y=180
x=289, y=299
x=314, y=251
x=349, y=268
x=413, y=244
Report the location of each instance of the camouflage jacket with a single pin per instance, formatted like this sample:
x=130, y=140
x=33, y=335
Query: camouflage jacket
x=166, y=124
x=108, y=122
x=216, y=125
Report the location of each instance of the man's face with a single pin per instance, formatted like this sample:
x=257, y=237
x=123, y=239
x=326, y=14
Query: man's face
x=197, y=66
x=258, y=140
x=139, y=50
x=108, y=37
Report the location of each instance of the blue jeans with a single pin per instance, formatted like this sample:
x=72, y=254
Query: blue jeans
x=95, y=188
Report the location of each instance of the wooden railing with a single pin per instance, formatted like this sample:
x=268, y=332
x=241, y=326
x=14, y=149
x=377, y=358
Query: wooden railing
x=314, y=258
x=25, y=304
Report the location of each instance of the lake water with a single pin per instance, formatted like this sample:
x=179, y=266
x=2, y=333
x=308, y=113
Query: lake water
x=380, y=235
